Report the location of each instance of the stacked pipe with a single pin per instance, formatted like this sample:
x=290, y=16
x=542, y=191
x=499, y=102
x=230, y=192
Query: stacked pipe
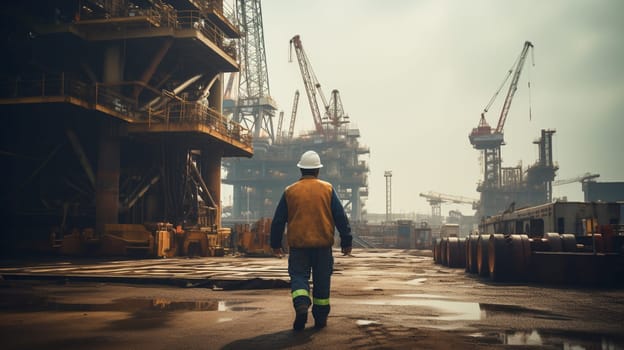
x=554, y=258
x=450, y=251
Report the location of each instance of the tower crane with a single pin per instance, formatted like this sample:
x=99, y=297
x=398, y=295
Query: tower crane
x=490, y=141
x=436, y=199
x=312, y=85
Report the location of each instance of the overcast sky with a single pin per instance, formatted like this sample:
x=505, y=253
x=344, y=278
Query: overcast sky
x=414, y=77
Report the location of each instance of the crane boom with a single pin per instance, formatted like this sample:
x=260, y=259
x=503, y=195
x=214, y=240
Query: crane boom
x=513, y=87
x=442, y=197
x=293, y=115
x=280, y=122
x=581, y=178
x=311, y=83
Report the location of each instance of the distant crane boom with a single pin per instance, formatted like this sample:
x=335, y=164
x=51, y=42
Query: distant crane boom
x=436, y=199
x=441, y=197
x=280, y=122
x=311, y=83
x=582, y=178
x=293, y=115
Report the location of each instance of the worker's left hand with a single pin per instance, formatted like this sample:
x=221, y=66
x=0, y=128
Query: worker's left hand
x=278, y=252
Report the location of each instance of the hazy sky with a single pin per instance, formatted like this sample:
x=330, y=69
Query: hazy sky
x=414, y=77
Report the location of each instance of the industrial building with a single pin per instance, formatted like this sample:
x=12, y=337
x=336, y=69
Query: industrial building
x=603, y=191
x=112, y=114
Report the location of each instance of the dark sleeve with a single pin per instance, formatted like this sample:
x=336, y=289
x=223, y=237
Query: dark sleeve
x=341, y=221
x=279, y=222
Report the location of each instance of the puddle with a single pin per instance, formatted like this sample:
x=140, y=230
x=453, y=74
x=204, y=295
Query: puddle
x=35, y=304
x=424, y=296
x=493, y=310
x=365, y=322
x=373, y=288
x=417, y=281
x=451, y=310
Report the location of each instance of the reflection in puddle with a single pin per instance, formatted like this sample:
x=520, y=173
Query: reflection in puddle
x=450, y=310
x=564, y=341
x=34, y=304
x=522, y=338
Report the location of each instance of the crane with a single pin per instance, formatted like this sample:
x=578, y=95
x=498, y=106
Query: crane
x=489, y=141
x=436, y=199
x=312, y=85
x=280, y=122
x=581, y=178
x=293, y=115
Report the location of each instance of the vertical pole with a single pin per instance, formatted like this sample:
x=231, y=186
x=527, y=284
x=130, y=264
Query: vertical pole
x=215, y=98
x=107, y=182
x=388, y=176
x=211, y=174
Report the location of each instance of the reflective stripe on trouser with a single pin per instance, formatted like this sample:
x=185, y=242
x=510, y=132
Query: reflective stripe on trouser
x=319, y=261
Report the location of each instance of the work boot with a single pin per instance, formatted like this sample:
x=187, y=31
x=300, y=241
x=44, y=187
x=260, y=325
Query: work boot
x=320, y=324
x=301, y=317
x=320, y=313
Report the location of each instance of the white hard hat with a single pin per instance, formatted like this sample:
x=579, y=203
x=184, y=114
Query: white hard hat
x=310, y=160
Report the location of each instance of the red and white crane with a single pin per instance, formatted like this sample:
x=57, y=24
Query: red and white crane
x=488, y=140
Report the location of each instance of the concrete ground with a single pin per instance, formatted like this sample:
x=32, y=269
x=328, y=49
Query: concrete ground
x=381, y=299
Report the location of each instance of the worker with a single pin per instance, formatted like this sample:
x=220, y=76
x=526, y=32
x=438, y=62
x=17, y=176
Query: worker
x=312, y=209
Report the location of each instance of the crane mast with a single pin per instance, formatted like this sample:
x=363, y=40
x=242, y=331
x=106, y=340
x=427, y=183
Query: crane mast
x=311, y=83
x=335, y=111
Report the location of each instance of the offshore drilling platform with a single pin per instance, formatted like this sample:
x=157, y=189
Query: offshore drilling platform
x=113, y=120
x=259, y=182
x=504, y=188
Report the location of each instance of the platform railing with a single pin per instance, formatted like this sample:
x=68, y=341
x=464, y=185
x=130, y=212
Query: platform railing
x=181, y=112
x=18, y=91
x=167, y=17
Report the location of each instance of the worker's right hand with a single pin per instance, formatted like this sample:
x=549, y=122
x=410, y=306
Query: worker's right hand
x=278, y=252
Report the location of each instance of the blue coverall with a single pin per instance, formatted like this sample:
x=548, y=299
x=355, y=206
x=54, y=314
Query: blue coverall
x=304, y=259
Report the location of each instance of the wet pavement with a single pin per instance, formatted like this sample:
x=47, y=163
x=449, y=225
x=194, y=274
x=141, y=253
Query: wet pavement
x=381, y=299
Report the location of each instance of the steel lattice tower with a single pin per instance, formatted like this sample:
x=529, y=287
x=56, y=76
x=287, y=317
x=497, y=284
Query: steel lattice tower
x=255, y=108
